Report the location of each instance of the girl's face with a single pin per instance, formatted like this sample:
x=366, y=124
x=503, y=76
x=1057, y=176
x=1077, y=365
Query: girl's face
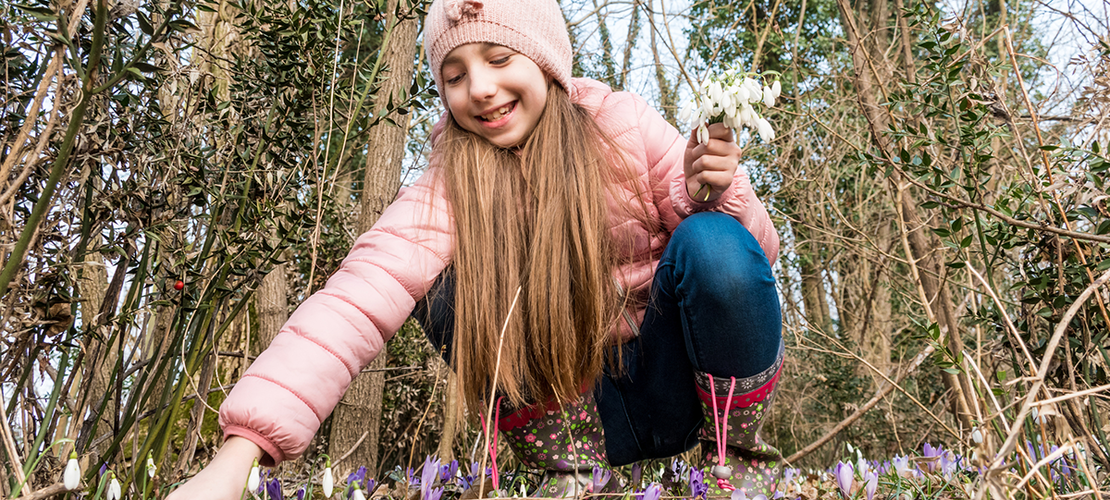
x=494, y=91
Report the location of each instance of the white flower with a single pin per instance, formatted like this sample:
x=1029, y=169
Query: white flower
x=114, y=490
x=72, y=476
x=741, y=93
x=747, y=115
x=328, y=482
x=763, y=127
x=715, y=95
x=776, y=88
x=755, y=94
x=703, y=134
x=357, y=495
x=850, y=449
x=768, y=97
x=686, y=112
x=254, y=479
x=151, y=469
x=977, y=436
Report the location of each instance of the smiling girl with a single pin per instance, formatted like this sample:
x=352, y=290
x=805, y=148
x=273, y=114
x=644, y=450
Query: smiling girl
x=637, y=321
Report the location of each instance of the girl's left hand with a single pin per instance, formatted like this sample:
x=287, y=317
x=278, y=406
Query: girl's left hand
x=712, y=165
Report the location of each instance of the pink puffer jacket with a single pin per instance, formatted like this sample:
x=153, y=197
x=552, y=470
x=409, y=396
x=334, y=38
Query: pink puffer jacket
x=281, y=400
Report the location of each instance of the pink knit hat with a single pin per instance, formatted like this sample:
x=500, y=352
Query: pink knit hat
x=534, y=28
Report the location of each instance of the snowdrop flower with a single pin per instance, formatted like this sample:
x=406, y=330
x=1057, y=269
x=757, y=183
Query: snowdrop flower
x=328, y=481
x=850, y=448
x=768, y=96
x=115, y=492
x=776, y=88
x=755, y=94
x=763, y=127
x=357, y=494
x=703, y=134
x=977, y=436
x=151, y=468
x=687, y=112
x=741, y=93
x=72, y=475
x=747, y=115
x=254, y=479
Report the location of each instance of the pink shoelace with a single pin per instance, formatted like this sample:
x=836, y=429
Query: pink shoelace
x=493, y=442
x=721, y=429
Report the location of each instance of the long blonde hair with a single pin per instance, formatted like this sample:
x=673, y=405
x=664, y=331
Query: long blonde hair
x=534, y=219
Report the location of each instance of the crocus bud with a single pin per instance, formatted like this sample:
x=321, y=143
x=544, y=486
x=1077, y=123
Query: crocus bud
x=328, y=481
x=115, y=492
x=72, y=475
x=255, y=478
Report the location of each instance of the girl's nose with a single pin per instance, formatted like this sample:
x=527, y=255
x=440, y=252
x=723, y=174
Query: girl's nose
x=482, y=87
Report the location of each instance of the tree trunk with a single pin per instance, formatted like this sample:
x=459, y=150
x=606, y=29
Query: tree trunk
x=360, y=410
x=921, y=244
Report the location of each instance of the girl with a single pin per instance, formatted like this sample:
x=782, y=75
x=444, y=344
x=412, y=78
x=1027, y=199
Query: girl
x=637, y=319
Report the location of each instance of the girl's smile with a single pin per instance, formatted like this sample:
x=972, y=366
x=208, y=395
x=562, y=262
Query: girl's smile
x=494, y=91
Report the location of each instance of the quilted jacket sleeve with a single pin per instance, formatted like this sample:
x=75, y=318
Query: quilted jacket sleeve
x=285, y=394
x=665, y=148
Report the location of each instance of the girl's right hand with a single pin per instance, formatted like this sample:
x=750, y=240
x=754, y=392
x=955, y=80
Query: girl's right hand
x=225, y=477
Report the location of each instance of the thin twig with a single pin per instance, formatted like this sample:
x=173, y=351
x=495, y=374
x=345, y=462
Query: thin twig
x=493, y=391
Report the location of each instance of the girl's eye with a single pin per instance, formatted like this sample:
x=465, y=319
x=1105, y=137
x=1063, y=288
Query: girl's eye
x=501, y=60
x=454, y=79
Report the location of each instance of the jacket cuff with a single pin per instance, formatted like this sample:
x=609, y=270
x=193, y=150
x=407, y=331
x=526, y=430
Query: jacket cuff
x=271, y=454
x=686, y=206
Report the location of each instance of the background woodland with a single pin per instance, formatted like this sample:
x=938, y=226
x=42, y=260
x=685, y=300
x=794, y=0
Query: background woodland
x=176, y=176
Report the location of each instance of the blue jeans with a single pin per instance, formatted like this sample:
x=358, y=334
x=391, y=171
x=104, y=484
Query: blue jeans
x=713, y=308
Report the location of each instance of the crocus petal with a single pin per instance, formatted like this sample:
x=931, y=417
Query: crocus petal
x=72, y=475
x=872, y=484
x=844, y=478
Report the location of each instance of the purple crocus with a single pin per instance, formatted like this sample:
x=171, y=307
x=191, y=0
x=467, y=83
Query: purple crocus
x=467, y=480
x=300, y=493
x=636, y=474
x=653, y=492
x=600, y=478
x=103, y=469
x=698, y=488
x=428, y=476
x=932, y=455
x=273, y=490
x=901, y=466
x=871, y=483
x=448, y=471
x=844, y=478
x=434, y=494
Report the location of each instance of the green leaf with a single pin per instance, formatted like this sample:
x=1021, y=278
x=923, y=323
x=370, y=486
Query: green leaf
x=144, y=24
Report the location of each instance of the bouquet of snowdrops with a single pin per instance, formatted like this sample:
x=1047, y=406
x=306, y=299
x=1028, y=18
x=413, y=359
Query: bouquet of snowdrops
x=733, y=98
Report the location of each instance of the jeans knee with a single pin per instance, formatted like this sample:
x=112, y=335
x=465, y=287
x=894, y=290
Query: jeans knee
x=715, y=246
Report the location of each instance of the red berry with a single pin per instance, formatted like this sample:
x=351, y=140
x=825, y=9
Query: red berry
x=179, y=285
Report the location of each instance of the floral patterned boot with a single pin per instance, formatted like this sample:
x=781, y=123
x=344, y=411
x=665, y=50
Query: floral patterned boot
x=566, y=441
x=736, y=458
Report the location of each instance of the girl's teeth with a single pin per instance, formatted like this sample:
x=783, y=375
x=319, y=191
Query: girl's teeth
x=496, y=115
